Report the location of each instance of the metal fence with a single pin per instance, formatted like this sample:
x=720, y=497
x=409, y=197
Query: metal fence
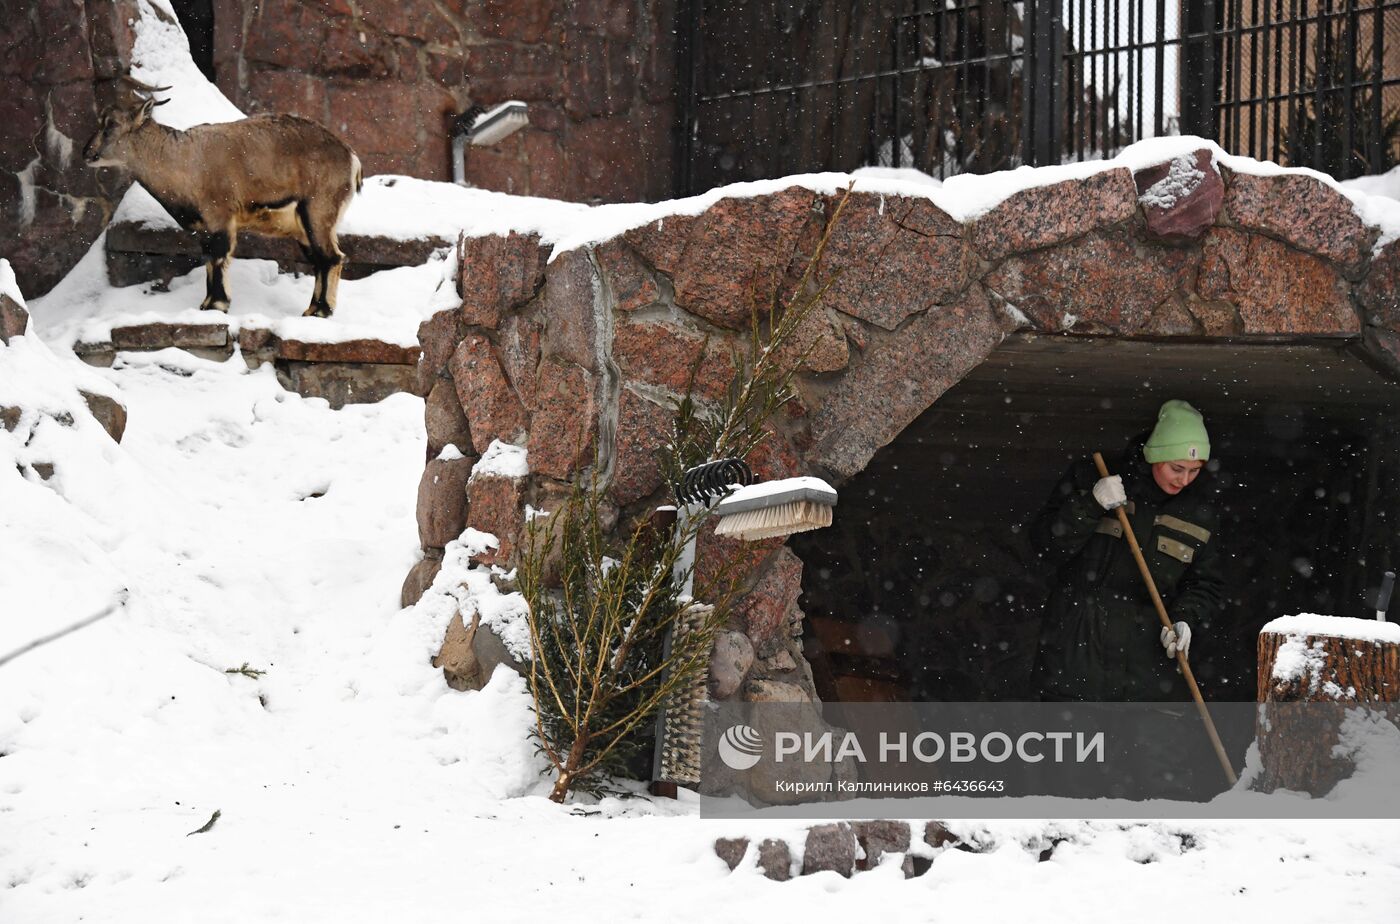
x=770, y=88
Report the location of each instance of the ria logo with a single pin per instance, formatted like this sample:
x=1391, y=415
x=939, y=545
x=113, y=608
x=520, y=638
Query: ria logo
x=740, y=747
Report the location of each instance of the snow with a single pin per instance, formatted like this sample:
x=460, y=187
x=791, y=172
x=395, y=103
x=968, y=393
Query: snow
x=160, y=57
x=1366, y=630
x=450, y=453
x=9, y=286
x=502, y=459
x=388, y=305
x=742, y=497
x=1181, y=180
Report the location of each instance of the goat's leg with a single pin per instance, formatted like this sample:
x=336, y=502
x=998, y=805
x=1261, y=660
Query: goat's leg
x=324, y=252
x=217, y=247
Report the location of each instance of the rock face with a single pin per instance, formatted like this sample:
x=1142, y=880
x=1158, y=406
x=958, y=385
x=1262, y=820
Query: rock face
x=585, y=368
x=13, y=319
x=497, y=274
x=830, y=848
x=442, y=501
x=1181, y=198
x=898, y=378
x=1045, y=215
x=110, y=413
x=1275, y=288
x=897, y=258
x=1301, y=211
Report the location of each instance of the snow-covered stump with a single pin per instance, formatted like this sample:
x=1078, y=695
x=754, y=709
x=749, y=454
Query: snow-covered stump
x=1308, y=659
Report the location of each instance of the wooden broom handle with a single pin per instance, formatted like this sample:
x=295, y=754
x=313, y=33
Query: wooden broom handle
x=1166, y=621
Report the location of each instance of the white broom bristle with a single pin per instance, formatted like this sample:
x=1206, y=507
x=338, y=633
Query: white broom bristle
x=780, y=520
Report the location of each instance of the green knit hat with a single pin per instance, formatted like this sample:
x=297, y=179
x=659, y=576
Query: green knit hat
x=1180, y=434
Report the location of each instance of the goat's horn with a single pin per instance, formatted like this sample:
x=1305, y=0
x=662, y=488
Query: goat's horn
x=140, y=85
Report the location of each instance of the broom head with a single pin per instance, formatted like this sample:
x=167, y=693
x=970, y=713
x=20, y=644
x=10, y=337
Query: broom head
x=776, y=508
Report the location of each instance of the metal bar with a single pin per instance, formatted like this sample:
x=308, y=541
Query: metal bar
x=963, y=77
x=1377, y=155
x=1139, y=82
x=1349, y=101
x=1263, y=152
x=1092, y=104
x=1029, y=66
x=1158, y=123
x=1211, y=85
x=896, y=143
x=1319, y=62
x=1110, y=116
x=1085, y=92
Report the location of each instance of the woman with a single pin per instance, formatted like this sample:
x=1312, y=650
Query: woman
x=1101, y=640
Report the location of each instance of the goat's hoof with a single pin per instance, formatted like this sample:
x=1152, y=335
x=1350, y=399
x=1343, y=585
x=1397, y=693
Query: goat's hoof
x=317, y=311
x=208, y=305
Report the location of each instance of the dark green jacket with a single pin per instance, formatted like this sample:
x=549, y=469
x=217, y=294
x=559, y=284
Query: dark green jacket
x=1099, y=641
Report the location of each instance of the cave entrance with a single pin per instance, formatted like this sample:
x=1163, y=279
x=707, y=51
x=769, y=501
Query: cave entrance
x=925, y=588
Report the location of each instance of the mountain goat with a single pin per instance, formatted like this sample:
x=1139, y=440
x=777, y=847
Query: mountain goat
x=279, y=175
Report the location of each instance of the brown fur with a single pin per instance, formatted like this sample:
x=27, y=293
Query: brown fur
x=279, y=175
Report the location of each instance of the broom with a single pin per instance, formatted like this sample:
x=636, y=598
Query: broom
x=776, y=508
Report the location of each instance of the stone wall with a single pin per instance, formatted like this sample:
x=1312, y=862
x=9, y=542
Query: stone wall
x=52, y=207
x=389, y=74
x=586, y=351
x=386, y=74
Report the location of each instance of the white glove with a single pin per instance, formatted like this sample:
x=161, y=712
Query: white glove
x=1109, y=492
x=1176, y=639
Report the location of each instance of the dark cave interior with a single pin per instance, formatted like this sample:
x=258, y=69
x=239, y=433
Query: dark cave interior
x=925, y=589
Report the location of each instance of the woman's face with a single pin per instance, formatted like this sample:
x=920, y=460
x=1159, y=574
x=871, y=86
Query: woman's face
x=1172, y=477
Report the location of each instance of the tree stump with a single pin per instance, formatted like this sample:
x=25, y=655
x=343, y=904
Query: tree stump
x=1315, y=671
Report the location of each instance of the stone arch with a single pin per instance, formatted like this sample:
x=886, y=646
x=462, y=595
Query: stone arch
x=583, y=351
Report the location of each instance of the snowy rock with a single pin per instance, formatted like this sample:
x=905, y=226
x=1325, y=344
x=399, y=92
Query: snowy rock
x=731, y=254
x=775, y=859
x=877, y=838
x=936, y=834
x=896, y=257
x=1044, y=215
x=729, y=663
x=1275, y=288
x=1182, y=197
x=420, y=578
x=898, y=378
x=1303, y=211
x=731, y=850
x=9, y=417
x=14, y=319
x=497, y=274
x=830, y=848
x=362, y=350
x=492, y=408
x=444, y=419
x=442, y=501
x=346, y=383
x=497, y=508
x=110, y=413
x=157, y=336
